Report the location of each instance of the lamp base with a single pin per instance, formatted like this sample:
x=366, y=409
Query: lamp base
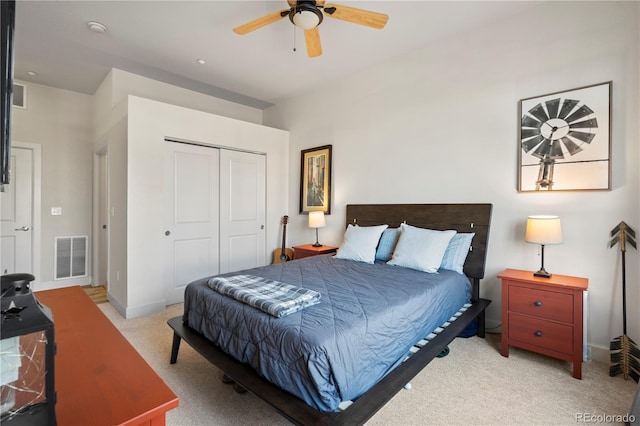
x=317, y=244
x=542, y=274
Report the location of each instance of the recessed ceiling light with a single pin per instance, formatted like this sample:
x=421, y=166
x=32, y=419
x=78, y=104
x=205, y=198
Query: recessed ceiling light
x=96, y=27
x=201, y=61
x=32, y=73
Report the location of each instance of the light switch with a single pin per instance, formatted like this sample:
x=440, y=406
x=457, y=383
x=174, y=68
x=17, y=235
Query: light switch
x=56, y=211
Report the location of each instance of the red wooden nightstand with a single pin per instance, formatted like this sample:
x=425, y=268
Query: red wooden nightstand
x=309, y=250
x=543, y=315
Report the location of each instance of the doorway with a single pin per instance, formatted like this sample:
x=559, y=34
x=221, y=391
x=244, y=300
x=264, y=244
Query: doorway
x=191, y=234
x=20, y=213
x=101, y=224
x=215, y=213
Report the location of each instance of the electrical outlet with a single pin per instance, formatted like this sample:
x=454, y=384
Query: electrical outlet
x=56, y=211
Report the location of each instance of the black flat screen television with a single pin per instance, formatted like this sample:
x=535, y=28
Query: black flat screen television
x=7, y=26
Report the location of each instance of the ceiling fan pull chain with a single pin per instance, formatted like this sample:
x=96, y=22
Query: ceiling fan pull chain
x=294, y=38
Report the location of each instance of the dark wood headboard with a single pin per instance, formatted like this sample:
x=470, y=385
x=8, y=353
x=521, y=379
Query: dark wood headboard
x=460, y=217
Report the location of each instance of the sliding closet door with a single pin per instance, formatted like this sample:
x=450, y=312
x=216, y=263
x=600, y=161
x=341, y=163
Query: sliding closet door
x=192, y=194
x=242, y=210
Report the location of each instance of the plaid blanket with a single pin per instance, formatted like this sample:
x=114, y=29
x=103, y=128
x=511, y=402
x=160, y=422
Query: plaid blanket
x=273, y=297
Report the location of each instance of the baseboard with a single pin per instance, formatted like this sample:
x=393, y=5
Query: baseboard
x=52, y=285
x=122, y=310
x=142, y=310
x=600, y=354
x=129, y=312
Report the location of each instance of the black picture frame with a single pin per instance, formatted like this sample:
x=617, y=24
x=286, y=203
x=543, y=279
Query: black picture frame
x=315, y=179
x=564, y=140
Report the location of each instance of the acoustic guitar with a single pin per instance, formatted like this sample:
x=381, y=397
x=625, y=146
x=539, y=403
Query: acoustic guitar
x=283, y=254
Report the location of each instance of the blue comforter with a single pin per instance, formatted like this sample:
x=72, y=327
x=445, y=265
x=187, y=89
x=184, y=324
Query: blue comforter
x=368, y=318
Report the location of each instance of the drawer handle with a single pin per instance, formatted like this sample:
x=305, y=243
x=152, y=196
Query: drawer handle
x=538, y=333
x=538, y=303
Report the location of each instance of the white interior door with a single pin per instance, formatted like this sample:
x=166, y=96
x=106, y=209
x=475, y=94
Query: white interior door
x=16, y=203
x=242, y=213
x=192, y=191
x=103, y=219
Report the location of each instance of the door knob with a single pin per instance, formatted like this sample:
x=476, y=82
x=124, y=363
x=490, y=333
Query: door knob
x=24, y=228
x=167, y=233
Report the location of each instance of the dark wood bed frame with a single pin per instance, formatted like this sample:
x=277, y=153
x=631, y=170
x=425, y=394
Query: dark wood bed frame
x=461, y=217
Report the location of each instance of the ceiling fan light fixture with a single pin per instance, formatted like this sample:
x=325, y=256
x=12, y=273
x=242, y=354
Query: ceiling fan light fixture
x=305, y=17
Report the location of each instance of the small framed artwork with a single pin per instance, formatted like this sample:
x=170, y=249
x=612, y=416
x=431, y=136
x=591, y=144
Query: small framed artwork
x=315, y=180
x=564, y=140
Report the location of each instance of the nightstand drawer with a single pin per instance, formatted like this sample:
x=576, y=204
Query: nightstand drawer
x=545, y=334
x=541, y=303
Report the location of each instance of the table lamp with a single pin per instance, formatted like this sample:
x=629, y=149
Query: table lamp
x=543, y=230
x=316, y=220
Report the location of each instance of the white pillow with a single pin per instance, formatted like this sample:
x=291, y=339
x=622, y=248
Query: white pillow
x=360, y=243
x=420, y=249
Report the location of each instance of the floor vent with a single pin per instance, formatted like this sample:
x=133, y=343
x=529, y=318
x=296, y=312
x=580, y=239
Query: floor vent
x=71, y=257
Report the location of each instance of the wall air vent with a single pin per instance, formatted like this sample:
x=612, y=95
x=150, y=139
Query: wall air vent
x=71, y=257
x=19, y=96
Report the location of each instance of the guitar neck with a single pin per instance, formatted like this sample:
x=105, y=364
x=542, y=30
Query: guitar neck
x=284, y=237
x=285, y=219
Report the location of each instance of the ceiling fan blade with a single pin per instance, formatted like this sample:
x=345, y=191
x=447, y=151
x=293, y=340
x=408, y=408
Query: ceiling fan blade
x=357, y=16
x=312, y=38
x=260, y=22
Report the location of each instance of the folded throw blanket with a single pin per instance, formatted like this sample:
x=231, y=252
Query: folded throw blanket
x=273, y=297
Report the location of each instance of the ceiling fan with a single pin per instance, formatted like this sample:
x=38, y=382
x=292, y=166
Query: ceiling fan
x=307, y=15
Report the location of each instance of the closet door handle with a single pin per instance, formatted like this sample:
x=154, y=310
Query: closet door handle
x=167, y=233
x=24, y=228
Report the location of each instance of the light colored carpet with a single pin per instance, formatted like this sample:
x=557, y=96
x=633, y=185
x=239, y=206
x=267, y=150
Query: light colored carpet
x=474, y=384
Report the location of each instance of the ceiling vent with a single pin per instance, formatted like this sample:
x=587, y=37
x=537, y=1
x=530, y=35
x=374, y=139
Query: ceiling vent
x=19, y=96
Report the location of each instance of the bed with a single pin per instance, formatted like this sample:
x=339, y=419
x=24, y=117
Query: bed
x=363, y=342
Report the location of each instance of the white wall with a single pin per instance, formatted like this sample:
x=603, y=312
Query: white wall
x=125, y=83
x=60, y=121
x=112, y=95
x=149, y=122
x=440, y=125
x=135, y=161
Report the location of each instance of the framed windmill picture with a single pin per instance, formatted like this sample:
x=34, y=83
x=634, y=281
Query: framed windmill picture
x=564, y=140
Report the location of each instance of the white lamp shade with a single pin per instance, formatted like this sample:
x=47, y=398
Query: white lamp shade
x=316, y=219
x=543, y=229
x=305, y=19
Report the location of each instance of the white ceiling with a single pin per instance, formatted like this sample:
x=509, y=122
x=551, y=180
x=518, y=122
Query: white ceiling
x=163, y=39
